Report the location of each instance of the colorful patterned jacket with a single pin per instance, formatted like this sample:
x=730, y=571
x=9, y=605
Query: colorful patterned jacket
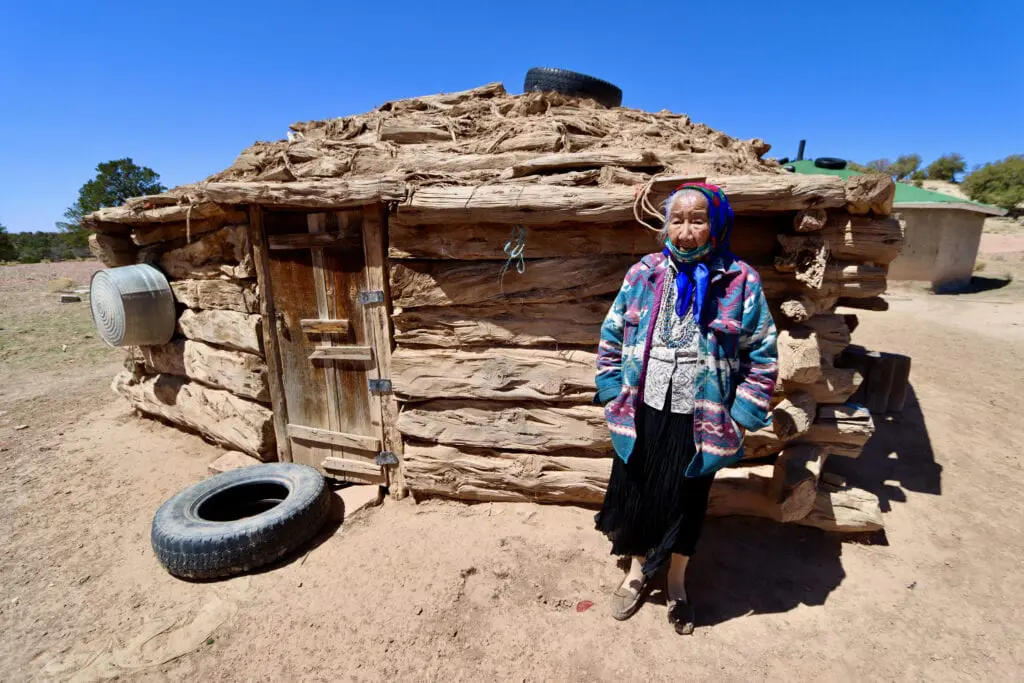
x=737, y=358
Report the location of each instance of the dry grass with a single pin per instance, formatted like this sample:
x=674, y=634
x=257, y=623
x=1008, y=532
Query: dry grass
x=61, y=284
x=1003, y=226
x=37, y=333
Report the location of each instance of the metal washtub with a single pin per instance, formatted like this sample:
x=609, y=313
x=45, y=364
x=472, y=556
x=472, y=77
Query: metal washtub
x=132, y=306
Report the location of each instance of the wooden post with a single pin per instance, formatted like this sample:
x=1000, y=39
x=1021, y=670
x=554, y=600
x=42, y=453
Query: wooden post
x=326, y=307
x=379, y=335
x=900, y=383
x=268, y=312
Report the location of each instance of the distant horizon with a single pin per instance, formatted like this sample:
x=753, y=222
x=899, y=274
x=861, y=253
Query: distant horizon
x=186, y=97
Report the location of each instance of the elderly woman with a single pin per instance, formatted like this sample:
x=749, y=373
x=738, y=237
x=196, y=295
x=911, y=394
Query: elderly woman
x=686, y=364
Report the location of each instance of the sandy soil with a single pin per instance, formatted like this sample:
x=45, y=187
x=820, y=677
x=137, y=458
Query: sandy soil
x=448, y=591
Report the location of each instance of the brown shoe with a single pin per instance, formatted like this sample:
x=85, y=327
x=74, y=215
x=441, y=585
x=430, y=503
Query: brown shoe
x=680, y=615
x=626, y=599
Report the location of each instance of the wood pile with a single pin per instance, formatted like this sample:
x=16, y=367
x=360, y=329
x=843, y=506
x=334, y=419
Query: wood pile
x=494, y=368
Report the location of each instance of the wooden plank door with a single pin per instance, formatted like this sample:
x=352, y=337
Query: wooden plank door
x=329, y=339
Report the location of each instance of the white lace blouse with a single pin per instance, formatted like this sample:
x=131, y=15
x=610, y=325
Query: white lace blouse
x=673, y=356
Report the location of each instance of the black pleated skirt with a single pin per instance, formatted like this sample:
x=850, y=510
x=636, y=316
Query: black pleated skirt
x=651, y=508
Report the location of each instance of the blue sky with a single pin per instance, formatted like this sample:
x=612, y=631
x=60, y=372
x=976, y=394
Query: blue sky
x=183, y=87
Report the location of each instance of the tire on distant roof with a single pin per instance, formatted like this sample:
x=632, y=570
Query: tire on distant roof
x=832, y=163
x=541, y=78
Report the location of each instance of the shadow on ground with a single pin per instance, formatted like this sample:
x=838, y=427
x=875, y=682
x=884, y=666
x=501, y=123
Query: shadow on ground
x=897, y=458
x=977, y=285
x=753, y=566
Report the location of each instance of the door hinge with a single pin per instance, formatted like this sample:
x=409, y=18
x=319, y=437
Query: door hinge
x=380, y=386
x=371, y=296
x=385, y=458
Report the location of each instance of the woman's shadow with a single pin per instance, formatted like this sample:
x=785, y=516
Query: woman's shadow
x=754, y=566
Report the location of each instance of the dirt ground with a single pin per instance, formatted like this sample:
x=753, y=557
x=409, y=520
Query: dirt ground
x=449, y=591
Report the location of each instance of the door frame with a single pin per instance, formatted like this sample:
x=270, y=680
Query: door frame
x=377, y=320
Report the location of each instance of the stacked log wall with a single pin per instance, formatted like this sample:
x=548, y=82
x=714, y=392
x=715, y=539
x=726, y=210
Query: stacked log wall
x=495, y=368
x=211, y=378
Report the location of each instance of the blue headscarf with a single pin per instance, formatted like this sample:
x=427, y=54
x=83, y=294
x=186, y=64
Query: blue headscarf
x=692, y=270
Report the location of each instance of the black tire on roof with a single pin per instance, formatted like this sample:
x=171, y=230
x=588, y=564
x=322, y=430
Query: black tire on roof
x=572, y=83
x=240, y=520
x=833, y=163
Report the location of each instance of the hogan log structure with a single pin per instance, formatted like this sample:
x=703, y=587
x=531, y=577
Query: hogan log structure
x=353, y=298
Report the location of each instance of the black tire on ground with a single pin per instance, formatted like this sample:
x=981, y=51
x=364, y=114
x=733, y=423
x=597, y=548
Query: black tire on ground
x=572, y=83
x=240, y=520
x=833, y=163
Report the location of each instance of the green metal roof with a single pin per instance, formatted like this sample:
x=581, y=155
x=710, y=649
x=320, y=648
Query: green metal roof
x=907, y=196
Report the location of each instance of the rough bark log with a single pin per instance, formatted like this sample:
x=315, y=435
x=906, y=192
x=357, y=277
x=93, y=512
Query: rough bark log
x=218, y=415
x=489, y=475
x=228, y=295
x=230, y=329
x=112, y=250
x=799, y=356
x=539, y=204
x=499, y=476
x=794, y=416
x=802, y=307
x=863, y=238
x=207, y=256
x=244, y=374
x=139, y=214
x=117, y=229
x=486, y=241
x=845, y=510
x=494, y=374
x=569, y=323
x=145, y=235
x=844, y=435
x=835, y=386
x=830, y=329
x=588, y=178
x=615, y=175
x=854, y=280
x=626, y=158
x=382, y=159
x=309, y=194
x=795, y=480
x=809, y=220
x=870, y=193
x=525, y=427
x=410, y=134
x=753, y=239
x=806, y=257
x=842, y=429
x=439, y=283
x=786, y=192
x=534, y=141
x=503, y=476
x=858, y=281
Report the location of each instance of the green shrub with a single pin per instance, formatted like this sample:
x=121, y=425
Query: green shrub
x=1000, y=183
x=947, y=167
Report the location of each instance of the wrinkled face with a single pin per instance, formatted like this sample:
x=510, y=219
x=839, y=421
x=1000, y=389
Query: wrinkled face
x=688, y=226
